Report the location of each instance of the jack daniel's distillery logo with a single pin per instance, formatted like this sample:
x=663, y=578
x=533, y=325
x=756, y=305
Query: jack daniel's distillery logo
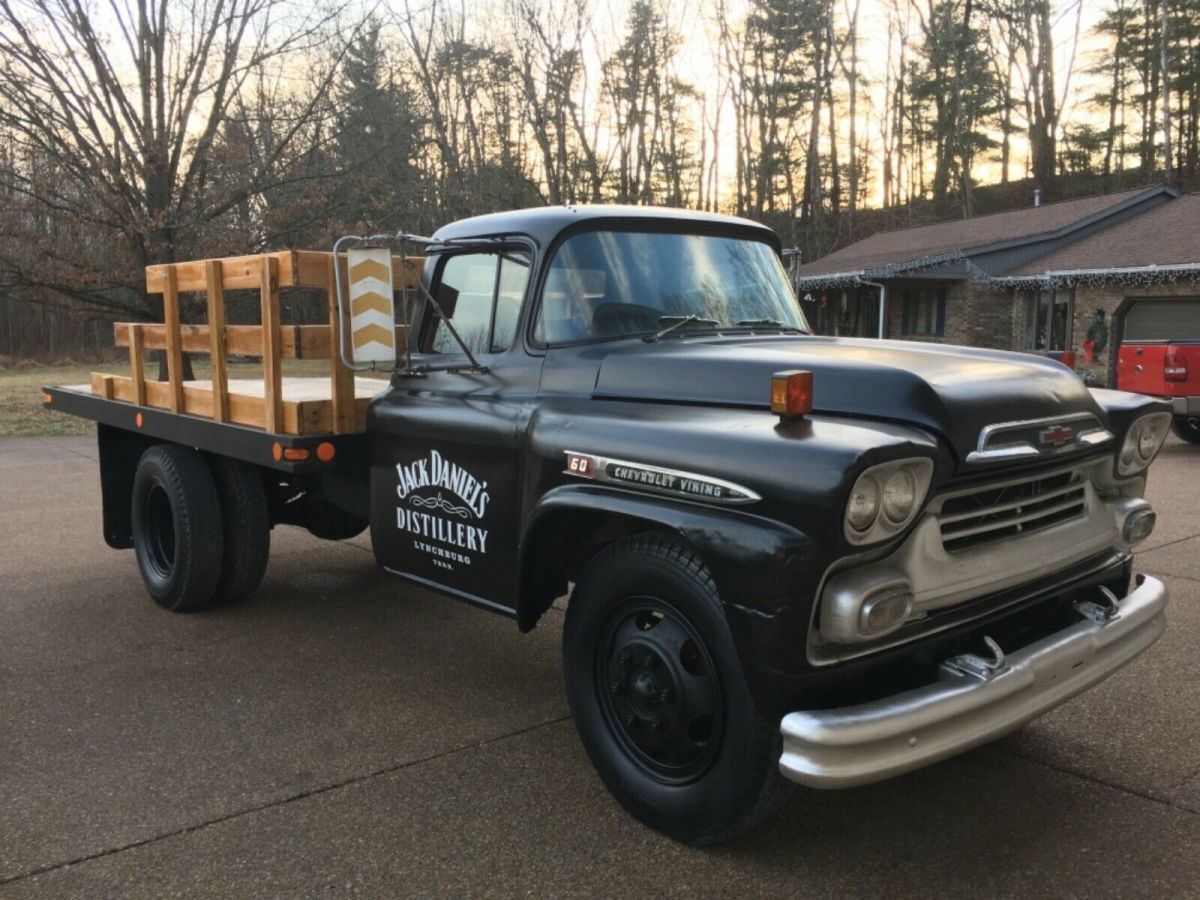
x=443, y=506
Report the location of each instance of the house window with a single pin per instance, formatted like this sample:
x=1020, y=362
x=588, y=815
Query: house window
x=1048, y=316
x=924, y=312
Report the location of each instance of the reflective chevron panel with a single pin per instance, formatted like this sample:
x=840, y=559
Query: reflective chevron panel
x=372, y=305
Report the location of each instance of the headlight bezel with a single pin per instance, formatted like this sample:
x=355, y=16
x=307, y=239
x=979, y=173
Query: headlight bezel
x=883, y=525
x=1130, y=460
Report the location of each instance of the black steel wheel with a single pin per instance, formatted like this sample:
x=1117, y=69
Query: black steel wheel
x=659, y=697
x=178, y=534
x=1187, y=428
x=659, y=690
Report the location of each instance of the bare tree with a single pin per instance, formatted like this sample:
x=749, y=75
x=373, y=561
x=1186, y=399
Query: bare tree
x=126, y=114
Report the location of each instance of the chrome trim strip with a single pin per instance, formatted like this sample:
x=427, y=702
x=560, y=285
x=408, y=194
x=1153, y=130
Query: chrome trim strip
x=1012, y=451
x=1089, y=437
x=730, y=492
x=856, y=745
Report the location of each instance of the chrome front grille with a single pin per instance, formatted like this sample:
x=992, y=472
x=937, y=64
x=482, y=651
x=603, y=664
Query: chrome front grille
x=1010, y=508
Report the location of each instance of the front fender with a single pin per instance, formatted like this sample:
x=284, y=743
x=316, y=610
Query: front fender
x=766, y=571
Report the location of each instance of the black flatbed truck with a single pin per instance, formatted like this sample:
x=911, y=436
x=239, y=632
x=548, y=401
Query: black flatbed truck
x=790, y=558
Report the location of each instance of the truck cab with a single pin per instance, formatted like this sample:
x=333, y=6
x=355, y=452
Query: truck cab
x=788, y=559
x=1159, y=356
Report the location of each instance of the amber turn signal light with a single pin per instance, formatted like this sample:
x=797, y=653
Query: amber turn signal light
x=791, y=393
x=295, y=454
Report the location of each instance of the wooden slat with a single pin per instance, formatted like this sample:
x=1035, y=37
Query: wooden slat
x=174, y=353
x=312, y=267
x=341, y=378
x=216, y=340
x=297, y=268
x=272, y=352
x=137, y=363
x=237, y=272
x=299, y=341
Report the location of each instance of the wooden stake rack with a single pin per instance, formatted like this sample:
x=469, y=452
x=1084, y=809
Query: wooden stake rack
x=275, y=404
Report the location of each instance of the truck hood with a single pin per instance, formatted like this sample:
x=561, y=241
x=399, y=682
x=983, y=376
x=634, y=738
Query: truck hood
x=955, y=391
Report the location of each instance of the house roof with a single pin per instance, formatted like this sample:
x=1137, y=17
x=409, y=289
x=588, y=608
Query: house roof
x=963, y=237
x=1168, y=235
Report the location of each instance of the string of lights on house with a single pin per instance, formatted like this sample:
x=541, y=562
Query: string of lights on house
x=1130, y=276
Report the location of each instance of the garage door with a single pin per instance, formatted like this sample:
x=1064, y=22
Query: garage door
x=1173, y=319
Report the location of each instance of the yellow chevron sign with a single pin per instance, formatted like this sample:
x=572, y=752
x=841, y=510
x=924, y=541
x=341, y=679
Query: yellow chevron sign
x=372, y=305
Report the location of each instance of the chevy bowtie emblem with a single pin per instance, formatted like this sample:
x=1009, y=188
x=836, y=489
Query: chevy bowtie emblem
x=1056, y=436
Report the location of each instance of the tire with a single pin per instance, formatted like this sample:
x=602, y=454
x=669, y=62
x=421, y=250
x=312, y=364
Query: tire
x=329, y=522
x=177, y=527
x=659, y=698
x=1187, y=428
x=247, y=528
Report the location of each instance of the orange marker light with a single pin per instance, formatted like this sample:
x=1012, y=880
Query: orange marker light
x=47, y=399
x=138, y=420
x=295, y=454
x=1067, y=358
x=277, y=451
x=791, y=393
x=326, y=451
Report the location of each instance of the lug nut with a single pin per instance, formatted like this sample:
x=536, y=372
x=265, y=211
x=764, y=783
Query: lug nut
x=660, y=723
x=631, y=721
x=666, y=695
x=625, y=659
x=617, y=686
x=649, y=660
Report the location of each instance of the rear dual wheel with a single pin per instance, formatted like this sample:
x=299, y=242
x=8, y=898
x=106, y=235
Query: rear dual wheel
x=201, y=534
x=659, y=697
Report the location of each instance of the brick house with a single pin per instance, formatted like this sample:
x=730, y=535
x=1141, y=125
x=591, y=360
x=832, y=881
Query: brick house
x=1029, y=279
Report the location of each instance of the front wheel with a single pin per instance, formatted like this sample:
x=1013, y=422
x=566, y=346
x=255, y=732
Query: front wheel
x=659, y=697
x=1187, y=428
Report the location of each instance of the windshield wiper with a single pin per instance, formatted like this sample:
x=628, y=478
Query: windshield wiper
x=678, y=322
x=767, y=323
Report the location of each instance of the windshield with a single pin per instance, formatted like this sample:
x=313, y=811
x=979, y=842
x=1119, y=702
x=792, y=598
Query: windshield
x=611, y=284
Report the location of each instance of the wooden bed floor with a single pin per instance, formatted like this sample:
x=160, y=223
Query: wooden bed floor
x=296, y=388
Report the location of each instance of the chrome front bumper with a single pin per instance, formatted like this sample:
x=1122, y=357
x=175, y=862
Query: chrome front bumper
x=971, y=702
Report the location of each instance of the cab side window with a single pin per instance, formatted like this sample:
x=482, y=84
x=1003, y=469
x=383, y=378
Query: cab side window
x=481, y=295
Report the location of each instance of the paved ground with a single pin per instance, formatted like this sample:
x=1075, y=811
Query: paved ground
x=344, y=733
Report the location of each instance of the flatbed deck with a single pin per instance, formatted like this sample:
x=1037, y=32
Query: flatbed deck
x=278, y=408
x=306, y=402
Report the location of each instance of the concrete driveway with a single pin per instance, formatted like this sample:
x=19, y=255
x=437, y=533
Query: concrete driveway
x=344, y=733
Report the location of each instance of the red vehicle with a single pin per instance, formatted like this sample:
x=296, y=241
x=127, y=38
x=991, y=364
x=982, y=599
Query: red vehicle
x=1160, y=356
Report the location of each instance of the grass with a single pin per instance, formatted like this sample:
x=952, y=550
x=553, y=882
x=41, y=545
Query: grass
x=22, y=415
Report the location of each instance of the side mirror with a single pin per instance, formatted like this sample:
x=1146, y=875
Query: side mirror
x=372, y=306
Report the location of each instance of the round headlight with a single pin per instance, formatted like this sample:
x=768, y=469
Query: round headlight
x=899, y=495
x=1129, y=447
x=1149, y=438
x=1142, y=442
x=864, y=503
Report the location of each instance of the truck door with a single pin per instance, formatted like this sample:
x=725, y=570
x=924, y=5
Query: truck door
x=446, y=477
